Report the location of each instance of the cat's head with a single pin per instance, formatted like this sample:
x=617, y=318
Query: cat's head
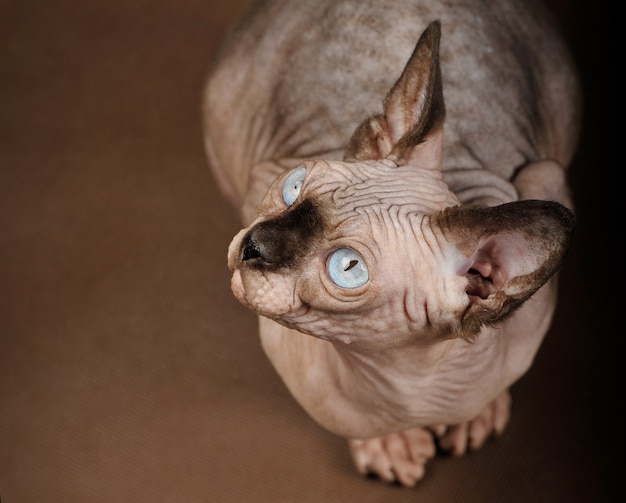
x=377, y=250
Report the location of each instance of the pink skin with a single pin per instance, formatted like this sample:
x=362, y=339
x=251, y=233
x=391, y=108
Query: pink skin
x=461, y=264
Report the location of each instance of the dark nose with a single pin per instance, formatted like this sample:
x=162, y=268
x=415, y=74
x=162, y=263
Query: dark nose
x=280, y=242
x=265, y=248
x=250, y=249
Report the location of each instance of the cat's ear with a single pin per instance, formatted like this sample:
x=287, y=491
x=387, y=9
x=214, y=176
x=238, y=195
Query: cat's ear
x=509, y=252
x=410, y=129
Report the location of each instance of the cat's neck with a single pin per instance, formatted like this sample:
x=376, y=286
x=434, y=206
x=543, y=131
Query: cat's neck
x=356, y=392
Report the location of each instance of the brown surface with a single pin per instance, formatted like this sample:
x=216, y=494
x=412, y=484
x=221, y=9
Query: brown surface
x=127, y=370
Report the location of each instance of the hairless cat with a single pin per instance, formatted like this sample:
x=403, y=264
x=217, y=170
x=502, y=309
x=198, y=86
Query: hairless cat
x=400, y=170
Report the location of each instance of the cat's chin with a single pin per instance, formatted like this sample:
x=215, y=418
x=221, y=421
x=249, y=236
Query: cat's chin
x=236, y=285
x=267, y=295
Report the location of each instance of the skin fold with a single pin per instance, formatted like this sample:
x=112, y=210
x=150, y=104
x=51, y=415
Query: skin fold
x=400, y=171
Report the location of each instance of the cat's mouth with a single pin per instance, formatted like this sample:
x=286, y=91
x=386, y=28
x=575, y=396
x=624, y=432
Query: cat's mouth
x=267, y=294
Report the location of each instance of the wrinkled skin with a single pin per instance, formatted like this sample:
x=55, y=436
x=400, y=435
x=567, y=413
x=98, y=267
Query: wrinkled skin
x=381, y=211
x=400, y=248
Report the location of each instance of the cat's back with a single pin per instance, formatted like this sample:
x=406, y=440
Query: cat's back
x=297, y=76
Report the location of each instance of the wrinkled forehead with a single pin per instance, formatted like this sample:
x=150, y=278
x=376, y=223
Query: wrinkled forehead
x=376, y=186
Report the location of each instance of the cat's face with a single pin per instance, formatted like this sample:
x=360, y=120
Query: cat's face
x=380, y=254
x=344, y=250
x=377, y=250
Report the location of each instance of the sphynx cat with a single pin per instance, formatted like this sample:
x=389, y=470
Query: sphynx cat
x=400, y=170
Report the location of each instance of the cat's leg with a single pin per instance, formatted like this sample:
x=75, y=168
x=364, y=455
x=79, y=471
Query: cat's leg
x=402, y=456
x=457, y=439
x=397, y=457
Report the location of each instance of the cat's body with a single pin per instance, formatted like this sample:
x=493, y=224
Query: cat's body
x=419, y=332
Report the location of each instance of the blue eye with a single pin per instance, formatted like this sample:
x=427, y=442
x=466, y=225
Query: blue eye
x=293, y=185
x=347, y=269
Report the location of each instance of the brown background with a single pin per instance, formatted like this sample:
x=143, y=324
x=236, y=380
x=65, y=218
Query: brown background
x=128, y=372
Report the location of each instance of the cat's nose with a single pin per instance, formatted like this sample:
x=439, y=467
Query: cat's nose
x=250, y=249
x=279, y=243
x=267, y=248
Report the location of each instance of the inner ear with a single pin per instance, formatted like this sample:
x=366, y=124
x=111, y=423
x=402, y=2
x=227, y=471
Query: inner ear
x=497, y=259
x=483, y=278
x=510, y=251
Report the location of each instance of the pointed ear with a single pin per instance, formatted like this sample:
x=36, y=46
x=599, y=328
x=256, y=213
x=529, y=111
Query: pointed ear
x=410, y=130
x=510, y=251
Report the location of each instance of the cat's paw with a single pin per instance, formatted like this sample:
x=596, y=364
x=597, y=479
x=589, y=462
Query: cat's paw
x=457, y=439
x=398, y=457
